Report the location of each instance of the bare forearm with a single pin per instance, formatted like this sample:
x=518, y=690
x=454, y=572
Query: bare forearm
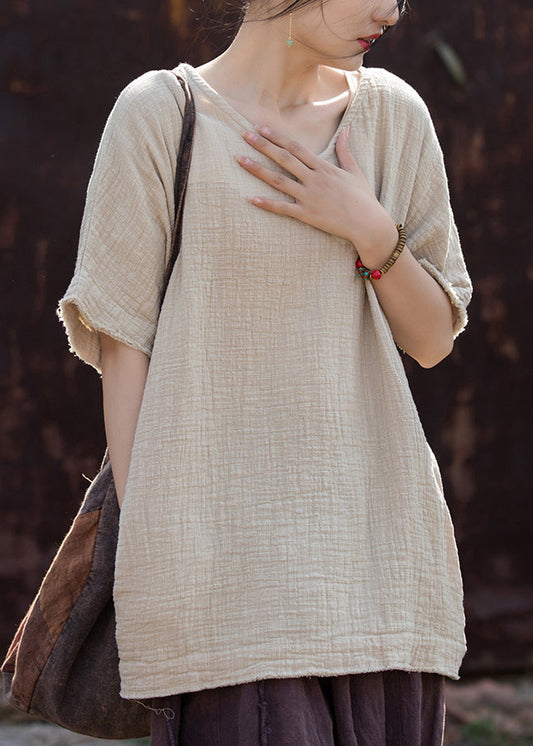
x=418, y=310
x=124, y=372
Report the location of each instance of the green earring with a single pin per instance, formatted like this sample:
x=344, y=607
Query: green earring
x=290, y=41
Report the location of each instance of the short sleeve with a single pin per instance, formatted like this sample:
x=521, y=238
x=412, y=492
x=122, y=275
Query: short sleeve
x=127, y=224
x=431, y=231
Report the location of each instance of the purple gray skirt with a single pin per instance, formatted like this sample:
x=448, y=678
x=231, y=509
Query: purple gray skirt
x=389, y=708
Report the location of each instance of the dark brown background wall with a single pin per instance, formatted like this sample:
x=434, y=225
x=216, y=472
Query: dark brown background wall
x=62, y=64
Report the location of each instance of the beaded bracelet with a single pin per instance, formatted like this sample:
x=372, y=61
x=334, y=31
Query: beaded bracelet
x=376, y=274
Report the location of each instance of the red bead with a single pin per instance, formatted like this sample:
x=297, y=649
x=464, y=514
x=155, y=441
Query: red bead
x=358, y=263
x=376, y=274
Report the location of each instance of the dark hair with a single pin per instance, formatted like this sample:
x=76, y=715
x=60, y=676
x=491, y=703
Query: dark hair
x=283, y=8
x=225, y=17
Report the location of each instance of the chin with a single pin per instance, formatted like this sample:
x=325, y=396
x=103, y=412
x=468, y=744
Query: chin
x=350, y=64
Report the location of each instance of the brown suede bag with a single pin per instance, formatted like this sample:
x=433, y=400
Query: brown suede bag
x=62, y=665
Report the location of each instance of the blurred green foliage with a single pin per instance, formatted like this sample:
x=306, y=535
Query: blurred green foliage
x=486, y=733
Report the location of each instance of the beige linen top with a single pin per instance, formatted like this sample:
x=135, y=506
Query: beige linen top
x=284, y=514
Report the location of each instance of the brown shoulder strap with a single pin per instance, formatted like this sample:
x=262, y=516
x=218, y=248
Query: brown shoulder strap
x=183, y=165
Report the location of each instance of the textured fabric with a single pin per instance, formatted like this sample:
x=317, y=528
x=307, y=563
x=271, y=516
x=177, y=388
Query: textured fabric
x=279, y=462
x=393, y=708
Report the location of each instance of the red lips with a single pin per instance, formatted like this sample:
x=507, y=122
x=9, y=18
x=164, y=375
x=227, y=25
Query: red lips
x=367, y=41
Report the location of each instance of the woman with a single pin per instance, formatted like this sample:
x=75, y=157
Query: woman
x=286, y=570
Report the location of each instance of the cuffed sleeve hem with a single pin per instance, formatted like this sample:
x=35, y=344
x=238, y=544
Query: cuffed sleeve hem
x=83, y=325
x=460, y=316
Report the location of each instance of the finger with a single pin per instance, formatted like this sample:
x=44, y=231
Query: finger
x=281, y=157
x=346, y=159
x=274, y=179
x=296, y=149
x=279, y=207
x=288, y=153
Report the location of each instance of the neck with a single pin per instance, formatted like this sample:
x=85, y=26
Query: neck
x=261, y=69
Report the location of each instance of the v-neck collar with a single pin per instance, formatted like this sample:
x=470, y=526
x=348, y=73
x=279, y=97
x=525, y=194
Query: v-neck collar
x=243, y=122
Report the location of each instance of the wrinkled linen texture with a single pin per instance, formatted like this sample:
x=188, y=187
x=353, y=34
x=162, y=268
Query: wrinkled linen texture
x=284, y=514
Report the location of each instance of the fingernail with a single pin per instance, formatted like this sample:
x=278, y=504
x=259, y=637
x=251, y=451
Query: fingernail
x=243, y=160
x=255, y=200
x=250, y=136
x=264, y=131
x=347, y=131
